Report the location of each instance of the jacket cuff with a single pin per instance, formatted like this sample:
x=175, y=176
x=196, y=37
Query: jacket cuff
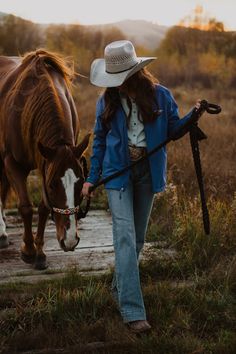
x=92, y=180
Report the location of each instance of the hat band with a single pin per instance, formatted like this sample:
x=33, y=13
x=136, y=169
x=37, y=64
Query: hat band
x=122, y=71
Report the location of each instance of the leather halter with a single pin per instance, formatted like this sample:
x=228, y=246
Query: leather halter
x=68, y=211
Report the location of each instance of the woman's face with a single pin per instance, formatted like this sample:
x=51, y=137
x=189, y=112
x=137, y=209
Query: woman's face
x=129, y=87
x=125, y=87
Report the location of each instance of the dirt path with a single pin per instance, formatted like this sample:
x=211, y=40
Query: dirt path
x=93, y=255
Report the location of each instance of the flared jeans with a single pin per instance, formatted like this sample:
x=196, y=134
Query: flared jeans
x=130, y=208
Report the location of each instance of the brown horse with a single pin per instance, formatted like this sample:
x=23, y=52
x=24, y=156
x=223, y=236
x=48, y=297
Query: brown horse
x=38, y=130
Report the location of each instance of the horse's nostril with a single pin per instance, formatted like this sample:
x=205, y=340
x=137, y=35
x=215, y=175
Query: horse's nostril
x=78, y=239
x=63, y=246
x=67, y=245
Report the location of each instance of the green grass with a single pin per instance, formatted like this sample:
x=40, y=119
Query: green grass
x=76, y=310
x=189, y=296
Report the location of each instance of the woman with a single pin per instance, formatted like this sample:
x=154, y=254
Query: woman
x=134, y=115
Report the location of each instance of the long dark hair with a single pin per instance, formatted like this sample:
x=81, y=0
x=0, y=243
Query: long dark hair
x=142, y=84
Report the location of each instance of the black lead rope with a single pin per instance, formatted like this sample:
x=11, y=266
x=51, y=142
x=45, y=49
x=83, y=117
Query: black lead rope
x=196, y=134
x=195, y=137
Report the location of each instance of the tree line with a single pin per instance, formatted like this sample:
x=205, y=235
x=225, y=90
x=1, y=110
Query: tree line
x=186, y=56
x=192, y=56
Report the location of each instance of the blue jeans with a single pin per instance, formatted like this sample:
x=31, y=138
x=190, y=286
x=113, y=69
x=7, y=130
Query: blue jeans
x=130, y=209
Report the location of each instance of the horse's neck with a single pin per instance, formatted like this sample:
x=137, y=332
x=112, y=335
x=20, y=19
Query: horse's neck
x=51, y=123
x=53, y=136
x=59, y=128
x=51, y=131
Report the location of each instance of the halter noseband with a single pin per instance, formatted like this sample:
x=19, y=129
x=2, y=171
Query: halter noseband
x=68, y=211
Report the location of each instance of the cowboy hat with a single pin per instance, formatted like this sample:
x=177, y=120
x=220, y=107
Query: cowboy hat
x=119, y=63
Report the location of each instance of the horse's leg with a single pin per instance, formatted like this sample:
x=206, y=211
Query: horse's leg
x=18, y=178
x=4, y=189
x=3, y=235
x=43, y=212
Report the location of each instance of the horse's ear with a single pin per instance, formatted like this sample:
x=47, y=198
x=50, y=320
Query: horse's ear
x=47, y=152
x=79, y=149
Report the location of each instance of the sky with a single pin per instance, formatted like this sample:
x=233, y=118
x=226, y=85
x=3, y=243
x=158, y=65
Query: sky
x=87, y=12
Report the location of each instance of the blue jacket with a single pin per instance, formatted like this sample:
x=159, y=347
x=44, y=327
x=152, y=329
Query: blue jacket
x=110, y=145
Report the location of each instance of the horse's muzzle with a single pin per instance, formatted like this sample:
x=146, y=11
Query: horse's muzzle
x=67, y=248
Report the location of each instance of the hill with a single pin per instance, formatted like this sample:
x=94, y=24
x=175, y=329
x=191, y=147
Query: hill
x=141, y=32
x=2, y=14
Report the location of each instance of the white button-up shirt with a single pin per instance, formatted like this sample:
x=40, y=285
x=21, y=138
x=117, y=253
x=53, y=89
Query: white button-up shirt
x=136, y=134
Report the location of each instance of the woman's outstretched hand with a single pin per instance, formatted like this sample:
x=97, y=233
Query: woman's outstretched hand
x=198, y=103
x=85, y=190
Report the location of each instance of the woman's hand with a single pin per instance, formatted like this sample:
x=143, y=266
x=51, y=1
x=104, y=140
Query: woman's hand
x=85, y=190
x=198, y=103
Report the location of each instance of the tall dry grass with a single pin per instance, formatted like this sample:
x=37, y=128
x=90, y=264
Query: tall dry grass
x=217, y=152
x=176, y=215
x=78, y=315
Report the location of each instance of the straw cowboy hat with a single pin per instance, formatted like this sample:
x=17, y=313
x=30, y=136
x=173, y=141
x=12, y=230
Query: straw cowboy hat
x=119, y=63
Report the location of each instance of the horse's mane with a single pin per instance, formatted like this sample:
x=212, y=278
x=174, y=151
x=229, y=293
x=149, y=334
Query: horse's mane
x=35, y=99
x=50, y=59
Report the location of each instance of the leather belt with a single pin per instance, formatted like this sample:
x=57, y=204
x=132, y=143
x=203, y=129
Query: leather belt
x=136, y=152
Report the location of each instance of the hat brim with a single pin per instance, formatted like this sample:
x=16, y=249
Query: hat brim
x=99, y=76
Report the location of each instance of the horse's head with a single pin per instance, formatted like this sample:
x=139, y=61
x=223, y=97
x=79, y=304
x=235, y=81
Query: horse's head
x=63, y=181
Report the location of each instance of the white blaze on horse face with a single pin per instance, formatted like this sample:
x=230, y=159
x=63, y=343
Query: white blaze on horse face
x=68, y=182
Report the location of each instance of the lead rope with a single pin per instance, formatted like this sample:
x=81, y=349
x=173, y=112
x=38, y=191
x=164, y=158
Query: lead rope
x=195, y=137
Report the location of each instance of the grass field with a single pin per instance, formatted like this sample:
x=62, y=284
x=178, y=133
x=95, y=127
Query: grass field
x=190, y=297
x=189, y=313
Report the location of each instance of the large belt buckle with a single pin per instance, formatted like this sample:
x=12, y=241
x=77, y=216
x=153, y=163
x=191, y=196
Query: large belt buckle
x=136, y=153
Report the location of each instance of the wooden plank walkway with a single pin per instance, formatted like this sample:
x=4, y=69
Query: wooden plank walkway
x=93, y=255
